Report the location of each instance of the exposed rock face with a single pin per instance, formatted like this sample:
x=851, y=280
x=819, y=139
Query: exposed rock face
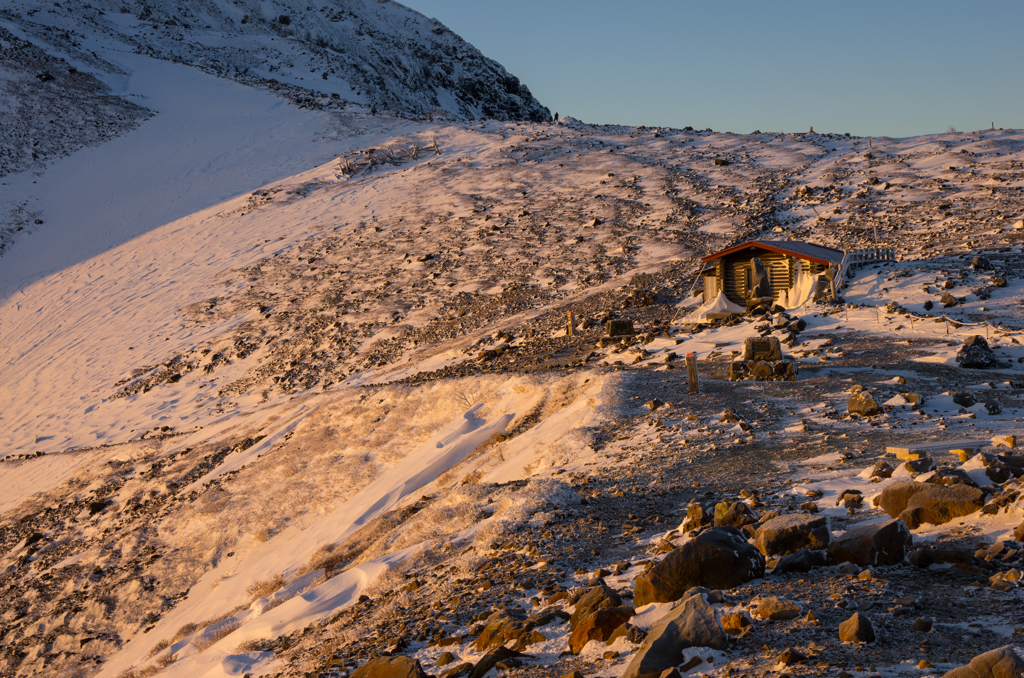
x=919, y=503
x=857, y=629
x=1003, y=662
x=790, y=533
x=381, y=53
x=693, y=623
x=873, y=544
x=719, y=558
x=390, y=667
x=598, y=625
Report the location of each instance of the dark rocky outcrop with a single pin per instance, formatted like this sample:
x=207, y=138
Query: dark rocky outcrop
x=719, y=558
x=791, y=533
x=872, y=544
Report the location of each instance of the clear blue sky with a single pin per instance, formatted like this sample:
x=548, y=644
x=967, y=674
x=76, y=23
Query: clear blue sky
x=867, y=67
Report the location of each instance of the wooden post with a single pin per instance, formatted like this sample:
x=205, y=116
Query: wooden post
x=570, y=325
x=691, y=372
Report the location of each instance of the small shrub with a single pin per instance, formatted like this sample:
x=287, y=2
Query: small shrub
x=162, y=645
x=264, y=588
x=217, y=636
x=326, y=558
x=186, y=630
x=249, y=646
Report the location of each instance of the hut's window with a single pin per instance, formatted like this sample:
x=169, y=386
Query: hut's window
x=749, y=272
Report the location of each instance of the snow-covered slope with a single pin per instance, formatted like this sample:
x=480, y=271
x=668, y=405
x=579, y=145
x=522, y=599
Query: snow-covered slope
x=373, y=52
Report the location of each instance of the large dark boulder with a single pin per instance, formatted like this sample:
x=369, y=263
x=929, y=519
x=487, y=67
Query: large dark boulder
x=801, y=561
x=597, y=597
x=1001, y=662
x=919, y=503
x=598, y=625
x=693, y=623
x=790, y=533
x=391, y=667
x=976, y=354
x=719, y=558
x=857, y=629
x=872, y=544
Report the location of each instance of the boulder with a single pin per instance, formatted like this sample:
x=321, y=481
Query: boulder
x=391, y=667
x=693, y=623
x=790, y=533
x=964, y=399
x=948, y=300
x=462, y=670
x=633, y=634
x=594, y=599
x=976, y=354
x=929, y=556
x=598, y=625
x=872, y=544
x=719, y=558
x=857, y=629
x=1002, y=662
x=1001, y=467
x=489, y=660
x=801, y=561
x=776, y=609
x=919, y=503
x=500, y=628
x=864, y=404
x=696, y=516
x=737, y=514
x=735, y=623
x=883, y=469
x=980, y=263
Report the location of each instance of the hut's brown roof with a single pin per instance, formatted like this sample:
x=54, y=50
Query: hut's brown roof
x=819, y=254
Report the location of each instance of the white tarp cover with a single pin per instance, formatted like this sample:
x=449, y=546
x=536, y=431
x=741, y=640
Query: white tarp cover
x=719, y=304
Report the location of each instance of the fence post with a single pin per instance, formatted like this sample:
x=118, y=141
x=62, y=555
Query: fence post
x=570, y=327
x=691, y=372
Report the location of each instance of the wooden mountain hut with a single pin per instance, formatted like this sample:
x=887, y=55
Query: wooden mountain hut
x=732, y=270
